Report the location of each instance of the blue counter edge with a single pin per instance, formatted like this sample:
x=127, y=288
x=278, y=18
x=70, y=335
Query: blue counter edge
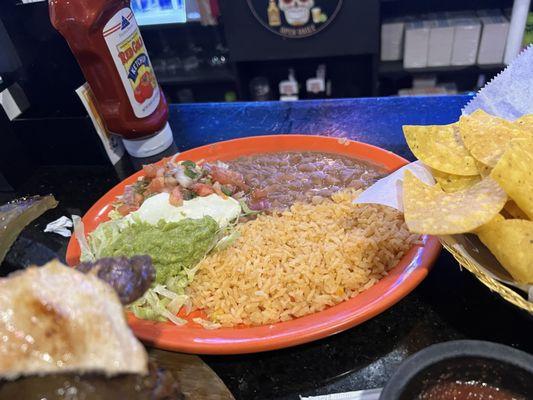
x=377, y=121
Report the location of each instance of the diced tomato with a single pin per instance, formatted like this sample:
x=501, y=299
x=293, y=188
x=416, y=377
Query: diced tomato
x=150, y=170
x=156, y=185
x=227, y=177
x=176, y=198
x=125, y=209
x=202, y=190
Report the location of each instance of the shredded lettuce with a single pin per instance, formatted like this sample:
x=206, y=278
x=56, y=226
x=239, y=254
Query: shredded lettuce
x=176, y=249
x=149, y=306
x=173, y=318
x=207, y=324
x=169, y=298
x=227, y=240
x=79, y=234
x=246, y=211
x=92, y=246
x=160, y=304
x=114, y=215
x=99, y=239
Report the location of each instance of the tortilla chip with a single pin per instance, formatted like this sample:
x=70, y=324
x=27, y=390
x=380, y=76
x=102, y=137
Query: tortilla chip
x=511, y=210
x=497, y=218
x=441, y=148
x=525, y=122
x=487, y=136
x=484, y=170
x=511, y=242
x=430, y=210
x=454, y=183
x=514, y=173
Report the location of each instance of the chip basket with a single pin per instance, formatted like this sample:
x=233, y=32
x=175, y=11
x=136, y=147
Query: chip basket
x=509, y=294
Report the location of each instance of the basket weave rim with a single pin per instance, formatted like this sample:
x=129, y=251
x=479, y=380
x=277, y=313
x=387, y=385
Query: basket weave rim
x=504, y=291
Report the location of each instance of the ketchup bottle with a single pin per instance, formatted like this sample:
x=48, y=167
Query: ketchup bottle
x=106, y=41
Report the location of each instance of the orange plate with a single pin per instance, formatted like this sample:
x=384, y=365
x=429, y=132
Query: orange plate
x=192, y=338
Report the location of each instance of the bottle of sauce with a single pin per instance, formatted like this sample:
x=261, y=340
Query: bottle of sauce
x=274, y=18
x=106, y=41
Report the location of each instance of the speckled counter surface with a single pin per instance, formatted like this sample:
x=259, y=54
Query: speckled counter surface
x=450, y=304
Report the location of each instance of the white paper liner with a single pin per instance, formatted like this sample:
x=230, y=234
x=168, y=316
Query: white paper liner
x=388, y=191
x=508, y=95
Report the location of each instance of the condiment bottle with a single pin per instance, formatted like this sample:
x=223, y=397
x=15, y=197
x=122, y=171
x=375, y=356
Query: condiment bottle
x=106, y=41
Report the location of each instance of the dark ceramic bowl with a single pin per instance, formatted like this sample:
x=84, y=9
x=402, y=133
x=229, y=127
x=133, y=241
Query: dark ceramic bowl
x=464, y=360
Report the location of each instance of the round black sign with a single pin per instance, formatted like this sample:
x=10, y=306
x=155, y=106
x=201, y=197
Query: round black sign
x=295, y=18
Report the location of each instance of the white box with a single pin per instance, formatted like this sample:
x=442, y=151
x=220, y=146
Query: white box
x=392, y=39
x=440, y=43
x=493, y=37
x=423, y=81
x=415, y=53
x=450, y=87
x=465, y=41
x=428, y=91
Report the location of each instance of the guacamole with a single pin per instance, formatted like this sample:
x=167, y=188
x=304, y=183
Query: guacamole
x=175, y=247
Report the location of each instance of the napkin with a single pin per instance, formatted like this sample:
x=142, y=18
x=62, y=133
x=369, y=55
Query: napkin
x=371, y=394
x=60, y=226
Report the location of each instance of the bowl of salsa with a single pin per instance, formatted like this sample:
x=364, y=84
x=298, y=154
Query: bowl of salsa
x=463, y=370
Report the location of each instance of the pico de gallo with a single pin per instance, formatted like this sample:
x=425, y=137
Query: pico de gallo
x=183, y=180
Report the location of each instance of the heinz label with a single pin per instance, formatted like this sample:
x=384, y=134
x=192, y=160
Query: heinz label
x=126, y=45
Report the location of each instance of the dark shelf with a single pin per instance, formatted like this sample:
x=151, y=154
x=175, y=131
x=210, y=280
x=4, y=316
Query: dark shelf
x=198, y=76
x=395, y=68
x=173, y=25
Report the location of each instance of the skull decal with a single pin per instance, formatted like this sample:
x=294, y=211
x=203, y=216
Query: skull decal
x=297, y=12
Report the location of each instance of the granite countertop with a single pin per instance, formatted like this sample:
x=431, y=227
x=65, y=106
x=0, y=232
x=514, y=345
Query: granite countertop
x=449, y=304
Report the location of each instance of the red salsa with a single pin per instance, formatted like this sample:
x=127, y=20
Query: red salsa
x=469, y=390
